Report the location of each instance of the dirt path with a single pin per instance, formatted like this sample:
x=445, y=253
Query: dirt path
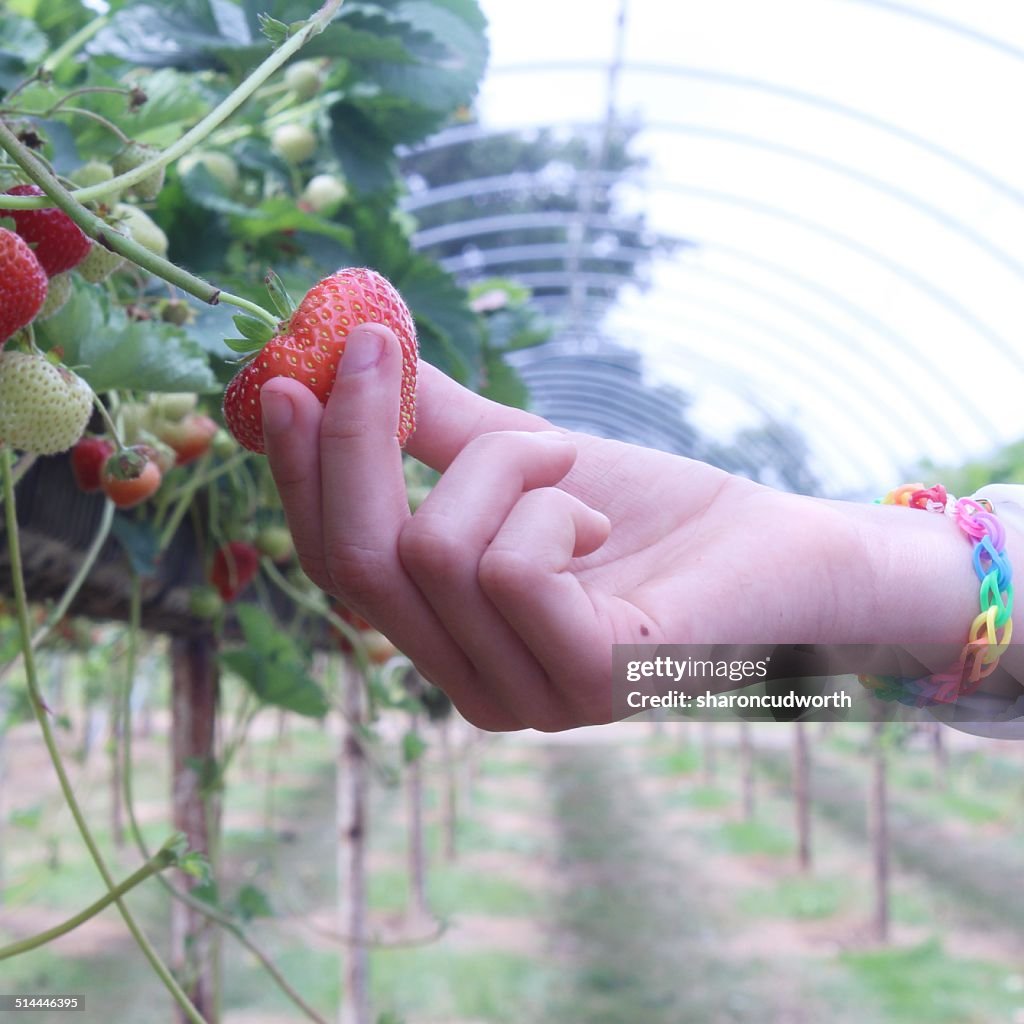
x=646, y=914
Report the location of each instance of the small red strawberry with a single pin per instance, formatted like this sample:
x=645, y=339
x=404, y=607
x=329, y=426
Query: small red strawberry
x=311, y=347
x=23, y=284
x=88, y=458
x=129, y=477
x=234, y=566
x=59, y=242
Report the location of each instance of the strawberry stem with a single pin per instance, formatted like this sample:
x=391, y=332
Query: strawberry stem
x=98, y=229
x=109, y=422
x=39, y=710
x=164, y=858
x=198, y=133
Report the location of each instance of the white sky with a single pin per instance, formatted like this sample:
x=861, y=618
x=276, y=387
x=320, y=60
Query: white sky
x=886, y=334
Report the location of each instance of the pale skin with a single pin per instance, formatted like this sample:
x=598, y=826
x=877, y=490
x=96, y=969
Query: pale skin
x=540, y=548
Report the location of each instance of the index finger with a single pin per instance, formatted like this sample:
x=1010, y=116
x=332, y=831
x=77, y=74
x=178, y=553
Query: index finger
x=449, y=416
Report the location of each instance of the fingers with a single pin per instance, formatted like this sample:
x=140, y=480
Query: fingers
x=442, y=545
x=523, y=573
x=449, y=416
x=291, y=430
x=363, y=508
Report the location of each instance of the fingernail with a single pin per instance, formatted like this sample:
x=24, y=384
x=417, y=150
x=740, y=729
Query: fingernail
x=278, y=412
x=363, y=351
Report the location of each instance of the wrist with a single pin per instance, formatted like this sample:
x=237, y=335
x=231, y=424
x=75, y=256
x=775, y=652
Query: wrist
x=906, y=577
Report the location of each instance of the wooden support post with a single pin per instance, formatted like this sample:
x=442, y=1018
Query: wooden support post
x=194, y=700
x=352, y=790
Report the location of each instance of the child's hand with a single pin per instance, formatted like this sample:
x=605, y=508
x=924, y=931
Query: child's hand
x=538, y=549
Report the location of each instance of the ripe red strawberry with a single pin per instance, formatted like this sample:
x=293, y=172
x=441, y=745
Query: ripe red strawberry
x=23, y=284
x=88, y=458
x=59, y=242
x=234, y=566
x=310, y=349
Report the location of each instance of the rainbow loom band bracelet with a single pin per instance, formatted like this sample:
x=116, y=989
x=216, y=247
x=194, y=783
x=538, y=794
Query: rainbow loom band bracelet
x=984, y=646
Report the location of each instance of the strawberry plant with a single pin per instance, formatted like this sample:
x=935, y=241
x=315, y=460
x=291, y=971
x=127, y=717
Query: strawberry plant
x=158, y=165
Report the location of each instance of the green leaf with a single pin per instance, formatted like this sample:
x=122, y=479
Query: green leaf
x=243, y=346
x=180, y=33
x=273, y=667
x=439, y=304
x=280, y=214
x=364, y=131
x=198, y=866
x=254, y=330
x=276, y=31
x=112, y=352
x=283, y=302
x=252, y=902
x=140, y=542
x=502, y=383
x=22, y=45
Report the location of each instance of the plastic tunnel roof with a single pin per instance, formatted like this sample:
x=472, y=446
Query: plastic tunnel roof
x=844, y=184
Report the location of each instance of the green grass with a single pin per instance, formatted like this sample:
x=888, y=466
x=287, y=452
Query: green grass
x=481, y=986
x=681, y=761
x=708, y=798
x=924, y=983
x=755, y=837
x=805, y=899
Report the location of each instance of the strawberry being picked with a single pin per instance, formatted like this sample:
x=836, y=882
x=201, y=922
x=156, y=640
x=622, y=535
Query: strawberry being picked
x=310, y=347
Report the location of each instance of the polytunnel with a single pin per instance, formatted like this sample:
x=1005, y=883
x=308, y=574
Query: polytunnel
x=788, y=224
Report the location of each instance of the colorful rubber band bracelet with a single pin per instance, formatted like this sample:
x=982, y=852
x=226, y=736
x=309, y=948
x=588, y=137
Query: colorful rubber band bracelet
x=985, y=645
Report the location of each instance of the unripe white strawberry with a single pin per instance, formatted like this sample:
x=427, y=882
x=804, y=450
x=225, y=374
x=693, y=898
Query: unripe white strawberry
x=57, y=295
x=222, y=167
x=100, y=263
x=303, y=78
x=138, y=225
x=324, y=193
x=293, y=142
x=95, y=172
x=43, y=408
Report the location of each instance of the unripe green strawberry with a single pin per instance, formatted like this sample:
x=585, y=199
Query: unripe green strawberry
x=205, y=603
x=275, y=542
x=303, y=78
x=293, y=142
x=220, y=166
x=177, y=312
x=173, y=405
x=324, y=193
x=43, y=408
x=95, y=172
x=134, y=421
x=100, y=263
x=140, y=227
x=224, y=445
x=57, y=295
x=134, y=155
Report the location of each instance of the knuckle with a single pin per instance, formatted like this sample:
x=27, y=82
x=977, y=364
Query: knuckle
x=359, y=574
x=424, y=546
x=506, y=572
